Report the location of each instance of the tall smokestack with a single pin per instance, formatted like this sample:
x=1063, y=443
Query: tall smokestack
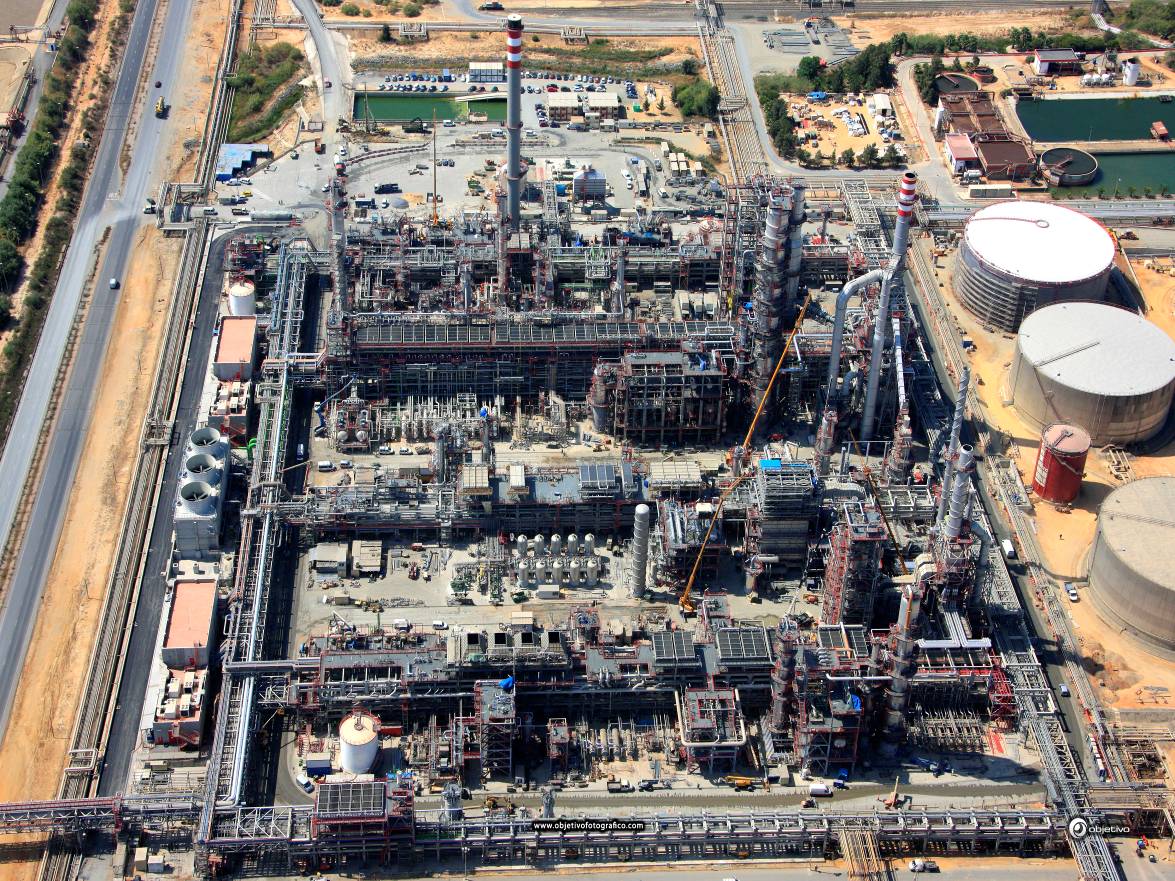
x=907, y=195
x=514, y=118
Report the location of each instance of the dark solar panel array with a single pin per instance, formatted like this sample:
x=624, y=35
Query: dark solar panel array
x=344, y=800
x=743, y=645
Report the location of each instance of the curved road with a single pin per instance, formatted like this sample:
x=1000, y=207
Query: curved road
x=110, y=202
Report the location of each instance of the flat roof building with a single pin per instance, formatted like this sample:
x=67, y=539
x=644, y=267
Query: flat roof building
x=191, y=625
x=487, y=72
x=561, y=106
x=235, y=347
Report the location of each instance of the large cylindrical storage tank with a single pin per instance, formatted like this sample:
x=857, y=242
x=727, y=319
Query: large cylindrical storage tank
x=1060, y=463
x=1131, y=579
x=1131, y=68
x=358, y=742
x=242, y=298
x=1103, y=368
x=1018, y=256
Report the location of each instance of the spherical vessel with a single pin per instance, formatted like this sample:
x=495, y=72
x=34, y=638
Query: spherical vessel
x=1131, y=571
x=1060, y=463
x=1018, y=256
x=1097, y=366
x=358, y=742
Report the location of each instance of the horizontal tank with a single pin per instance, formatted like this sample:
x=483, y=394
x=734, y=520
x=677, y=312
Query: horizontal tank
x=1089, y=364
x=1060, y=463
x=1018, y=256
x=1131, y=579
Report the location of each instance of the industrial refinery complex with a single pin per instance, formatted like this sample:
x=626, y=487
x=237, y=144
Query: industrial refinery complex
x=544, y=492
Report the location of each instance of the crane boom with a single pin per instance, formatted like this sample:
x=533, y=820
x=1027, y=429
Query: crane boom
x=686, y=603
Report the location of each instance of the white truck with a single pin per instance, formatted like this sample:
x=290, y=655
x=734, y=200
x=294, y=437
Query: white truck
x=819, y=789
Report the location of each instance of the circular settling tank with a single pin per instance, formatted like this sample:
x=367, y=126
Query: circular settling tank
x=1017, y=256
x=947, y=83
x=1060, y=463
x=1098, y=366
x=1068, y=167
x=1131, y=576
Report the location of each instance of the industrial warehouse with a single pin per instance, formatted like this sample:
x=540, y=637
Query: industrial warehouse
x=525, y=530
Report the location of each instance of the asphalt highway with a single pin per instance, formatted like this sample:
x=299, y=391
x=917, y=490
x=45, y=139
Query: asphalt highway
x=111, y=202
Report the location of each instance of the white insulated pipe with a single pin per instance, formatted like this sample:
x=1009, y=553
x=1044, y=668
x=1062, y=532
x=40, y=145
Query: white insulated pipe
x=514, y=119
x=898, y=366
x=854, y=287
x=960, y=490
x=907, y=195
x=953, y=444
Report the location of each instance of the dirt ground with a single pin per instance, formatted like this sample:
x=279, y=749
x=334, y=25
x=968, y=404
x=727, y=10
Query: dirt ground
x=491, y=46
x=837, y=139
x=379, y=14
x=866, y=29
x=14, y=61
x=1156, y=279
x=42, y=719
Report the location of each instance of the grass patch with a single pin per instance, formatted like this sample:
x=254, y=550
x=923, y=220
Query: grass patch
x=265, y=90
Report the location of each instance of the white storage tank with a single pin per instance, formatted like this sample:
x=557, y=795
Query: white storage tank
x=540, y=546
x=1018, y=256
x=593, y=572
x=556, y=545
x=242, y=298
x=576, y=573
x=589, y=544
x=524, y=569
x=521, y=544
x=1131, y=68
x=558, y=570
x=1106, y=369
x=1131, y=579
x=572, y=545
x=547, y=574
x=358, y=742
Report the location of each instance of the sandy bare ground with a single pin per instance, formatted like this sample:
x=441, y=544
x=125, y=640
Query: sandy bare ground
x=490, y=47
x=866, y=29
x=38, y=735
x=14, y=61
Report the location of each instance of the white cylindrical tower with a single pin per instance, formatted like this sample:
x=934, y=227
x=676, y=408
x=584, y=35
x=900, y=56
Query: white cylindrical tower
x=640, y=550
x=242, y=298
x=593, y=572
x=521, y=545
x=558, y=571
x=589, y=544
x=576, y=573
x=358, y=742
x=556, y=545
x=572, y=544
x=540, y=546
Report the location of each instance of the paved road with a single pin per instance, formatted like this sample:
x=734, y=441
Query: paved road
x=956, y=870
x=114, y=203
x=330, y=68
x=140, y=654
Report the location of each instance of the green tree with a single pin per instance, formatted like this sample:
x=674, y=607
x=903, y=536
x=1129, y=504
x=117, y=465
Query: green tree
x=803, y=157
x=809, y=68
x=848, y=157
x=698, y=98
x=870, y=157
x=10, y=265
x=689, y=67
x=661, y=104
x=891, y=158
x=385, y=34
x=349, y=9
x=411, y=10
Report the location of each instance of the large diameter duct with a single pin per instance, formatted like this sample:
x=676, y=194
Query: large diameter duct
x=901, y=238
x=640, y=551
x=854, y=287
x=953, y=445
x=960, y=491
x=514, y=119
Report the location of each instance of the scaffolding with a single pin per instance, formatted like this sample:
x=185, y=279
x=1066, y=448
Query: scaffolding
x=496, y=720
x=852, y=568
x=668, y=399
x=711, y=727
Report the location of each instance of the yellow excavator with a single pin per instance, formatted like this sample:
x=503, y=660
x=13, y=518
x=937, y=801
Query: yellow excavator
x=688, y=607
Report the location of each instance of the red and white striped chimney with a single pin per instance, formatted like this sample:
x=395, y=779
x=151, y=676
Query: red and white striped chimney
x=514, y=118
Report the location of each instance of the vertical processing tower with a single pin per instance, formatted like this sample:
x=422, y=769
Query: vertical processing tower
x=514, y=119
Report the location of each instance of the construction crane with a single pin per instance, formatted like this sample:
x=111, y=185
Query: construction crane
x=686, y=602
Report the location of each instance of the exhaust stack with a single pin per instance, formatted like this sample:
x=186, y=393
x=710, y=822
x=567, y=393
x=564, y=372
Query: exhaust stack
x=514, y=120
